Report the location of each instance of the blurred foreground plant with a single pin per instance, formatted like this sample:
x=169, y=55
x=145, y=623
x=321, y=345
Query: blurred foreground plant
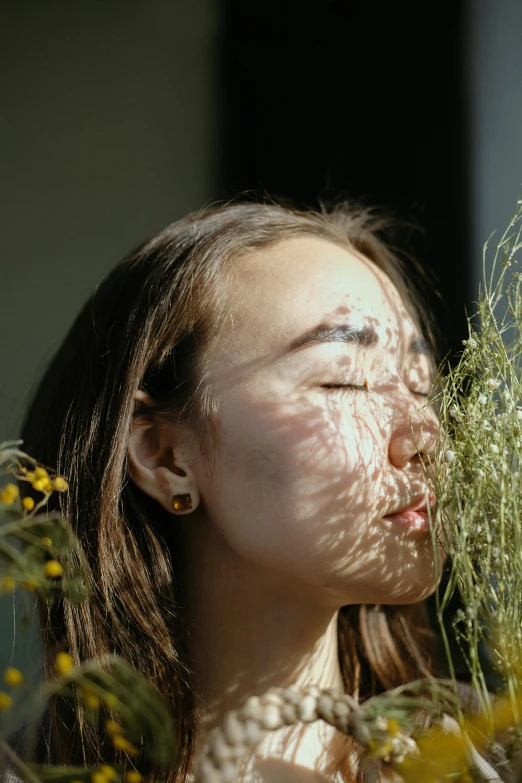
x=30, y=543
x=40, y=553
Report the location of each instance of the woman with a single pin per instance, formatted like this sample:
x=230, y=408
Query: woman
x=240, y=409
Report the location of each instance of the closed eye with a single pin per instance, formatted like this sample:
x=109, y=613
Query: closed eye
x=345, y=386
x=357, y=387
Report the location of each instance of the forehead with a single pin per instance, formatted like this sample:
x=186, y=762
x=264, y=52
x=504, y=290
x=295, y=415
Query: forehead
x=276, y=293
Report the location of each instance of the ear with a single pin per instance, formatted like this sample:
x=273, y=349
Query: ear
x=160, y=456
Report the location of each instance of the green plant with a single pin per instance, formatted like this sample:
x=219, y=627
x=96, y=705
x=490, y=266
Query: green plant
x=39, y=553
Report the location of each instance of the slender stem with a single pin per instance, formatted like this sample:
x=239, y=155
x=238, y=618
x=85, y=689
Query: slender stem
x=439, y=609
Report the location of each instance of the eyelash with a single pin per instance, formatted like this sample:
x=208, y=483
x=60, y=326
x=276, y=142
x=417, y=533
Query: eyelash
x=344, y=386
x=362, y=388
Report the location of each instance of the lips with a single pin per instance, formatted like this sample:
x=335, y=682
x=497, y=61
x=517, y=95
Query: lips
x=414, y=517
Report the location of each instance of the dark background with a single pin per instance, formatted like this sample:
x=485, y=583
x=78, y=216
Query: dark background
x=334, y=98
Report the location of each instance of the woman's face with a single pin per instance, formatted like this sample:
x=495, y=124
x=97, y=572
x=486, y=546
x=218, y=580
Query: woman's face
x=319, y=373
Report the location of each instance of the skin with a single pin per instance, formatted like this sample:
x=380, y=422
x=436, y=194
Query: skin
x=287, y=520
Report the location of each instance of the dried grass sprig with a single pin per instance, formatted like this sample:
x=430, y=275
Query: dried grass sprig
x=478, y=483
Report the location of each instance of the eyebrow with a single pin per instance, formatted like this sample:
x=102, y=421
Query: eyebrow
x=344, y=333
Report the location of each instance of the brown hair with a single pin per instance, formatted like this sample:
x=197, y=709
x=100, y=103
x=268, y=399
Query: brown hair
x=143, y=328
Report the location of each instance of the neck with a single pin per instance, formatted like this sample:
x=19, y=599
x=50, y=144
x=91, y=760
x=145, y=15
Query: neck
x=250, y=629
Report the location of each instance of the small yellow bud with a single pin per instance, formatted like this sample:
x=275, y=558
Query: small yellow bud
x=98, y=777
x=46, y=541
x=64, y=664
x=120, y=743
x=5, y=701
x=60, y=484
x=39, y=484
x=394, y=727
x=9, y=494
x=385, y=749
x=52, y=569
x=133, y=776
x=7, y=583
x=108, y=771
x=41, y=473
x=380, y=750
x=30, y=584
x=112, y=727
x=91, y=700
x=111, y=700
x=28, y=503
x=13, y=677
x=30, y=475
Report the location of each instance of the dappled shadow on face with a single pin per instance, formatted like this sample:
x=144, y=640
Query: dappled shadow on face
x=318, y=465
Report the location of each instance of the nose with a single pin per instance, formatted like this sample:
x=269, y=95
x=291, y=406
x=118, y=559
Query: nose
x=415, y=432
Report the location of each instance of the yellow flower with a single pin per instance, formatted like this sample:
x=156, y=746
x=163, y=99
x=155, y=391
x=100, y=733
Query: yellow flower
x=120, y=743
x=394, y=727
x=91, y=700
x=46, y=541
x=7, y=583
x=133, y=776
x=30, y=584
x=13, y=677
x=9, y=494
x=64, y=664
x=380, y=749
x=29, y=475
x=111, y=700
x=112, y=727
x=60, y=484
x=43, y=485
x=98, y=777
x=53, y=568
x=439, y=753
x=386, y=748
x=5, y=701
x=108, y=771
x=503, y=715
x=28, y=503
x=41, y=473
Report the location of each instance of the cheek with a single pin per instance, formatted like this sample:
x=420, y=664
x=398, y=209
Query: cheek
x=294, y=479
x=311, y=443
x=298, y=489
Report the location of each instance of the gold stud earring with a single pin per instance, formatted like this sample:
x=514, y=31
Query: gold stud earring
x=182, y=502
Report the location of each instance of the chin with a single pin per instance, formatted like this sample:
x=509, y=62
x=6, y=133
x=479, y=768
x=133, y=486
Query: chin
x=414, y=594
x=410, y=591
